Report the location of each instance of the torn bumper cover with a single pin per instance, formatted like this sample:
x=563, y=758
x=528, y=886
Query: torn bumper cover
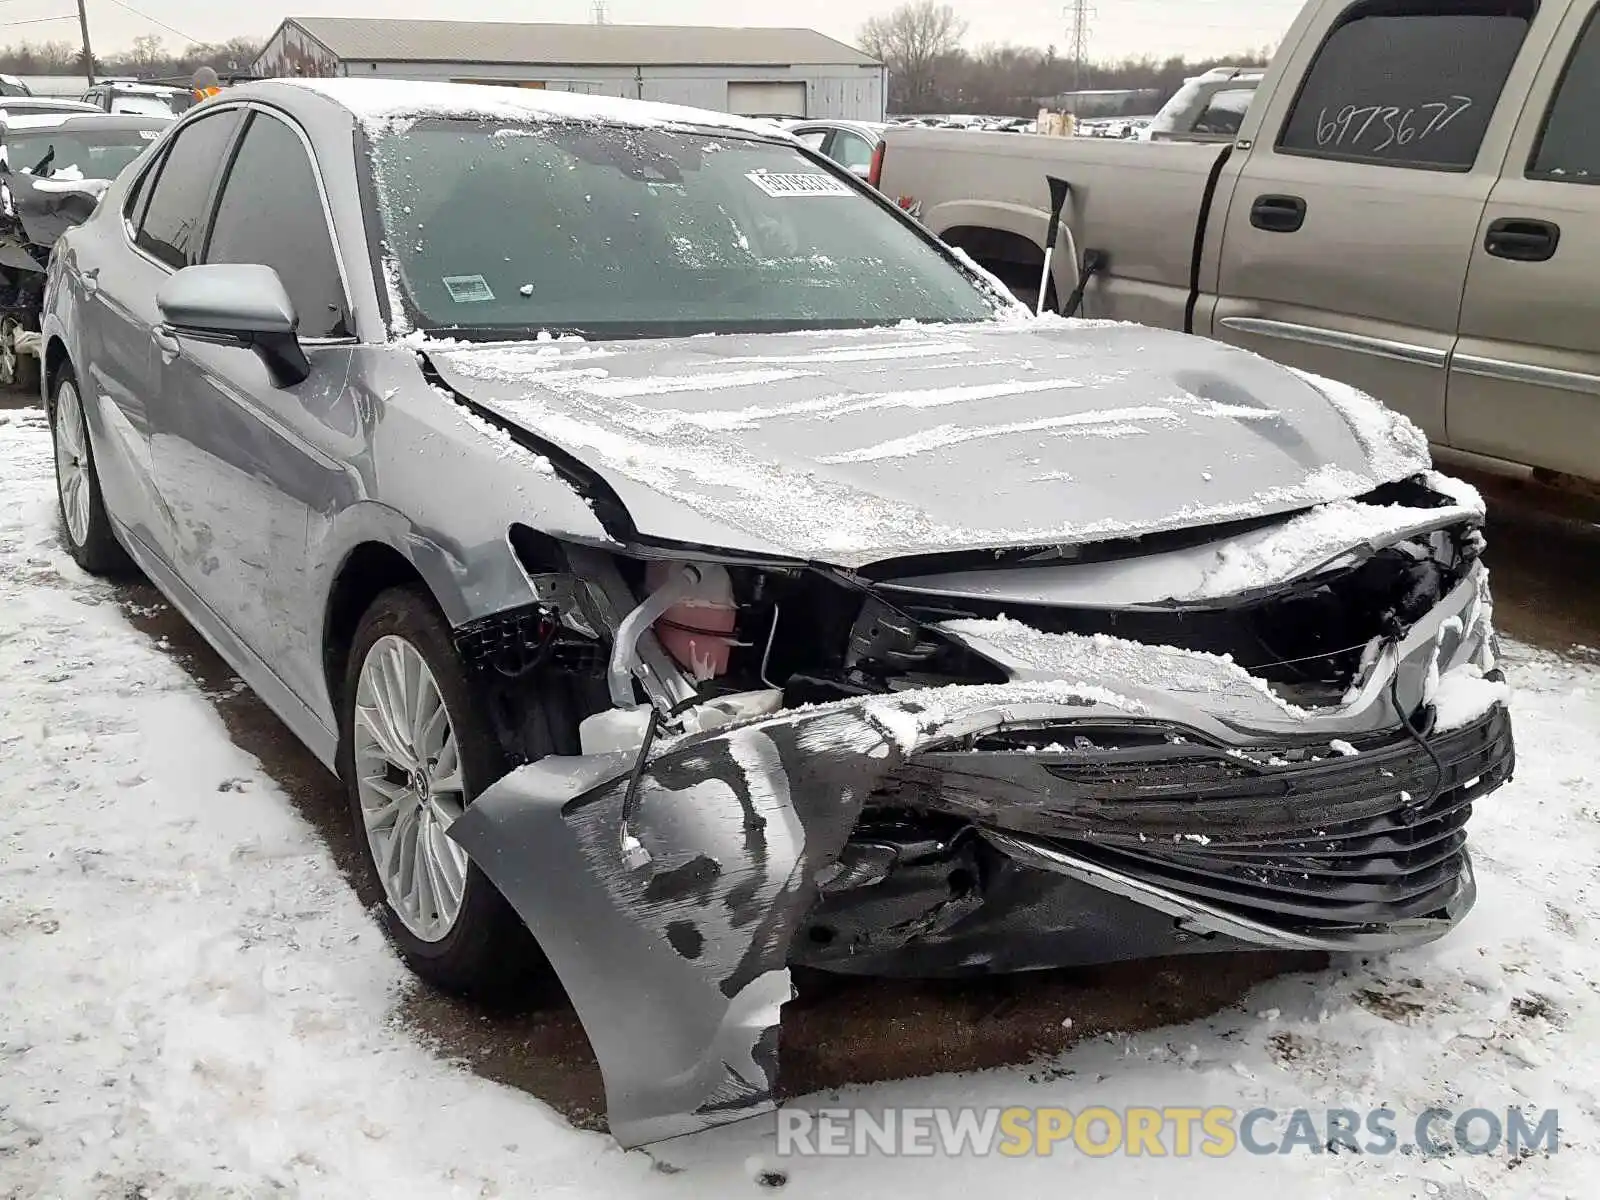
x=1114, y=800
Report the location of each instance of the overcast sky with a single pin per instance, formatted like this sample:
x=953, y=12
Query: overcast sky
x=1119, y=27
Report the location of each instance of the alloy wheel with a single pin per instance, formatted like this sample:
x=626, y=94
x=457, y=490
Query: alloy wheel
x=411, y=788
x=72, y=463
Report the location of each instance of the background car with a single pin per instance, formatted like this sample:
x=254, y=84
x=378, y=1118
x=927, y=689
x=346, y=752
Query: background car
x=53, y=169
x=851, y=144
x=141, y=99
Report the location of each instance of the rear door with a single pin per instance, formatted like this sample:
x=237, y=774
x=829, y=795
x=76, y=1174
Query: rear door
x=1525, y=379
x=243, y=462
x=1346, y=241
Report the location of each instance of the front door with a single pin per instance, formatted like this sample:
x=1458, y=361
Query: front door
x=116, y=277
x=1525, y=379
x=1346, y=241
x=244, y=461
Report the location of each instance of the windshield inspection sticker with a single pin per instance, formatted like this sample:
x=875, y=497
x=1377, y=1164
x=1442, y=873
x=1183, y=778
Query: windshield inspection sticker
x=797, y=185
x=468, y=289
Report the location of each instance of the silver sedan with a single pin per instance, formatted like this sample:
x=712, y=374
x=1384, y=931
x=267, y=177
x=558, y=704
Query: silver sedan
x=692, y=569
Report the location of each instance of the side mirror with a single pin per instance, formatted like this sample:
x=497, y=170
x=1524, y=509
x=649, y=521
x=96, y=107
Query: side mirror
x=237, y=305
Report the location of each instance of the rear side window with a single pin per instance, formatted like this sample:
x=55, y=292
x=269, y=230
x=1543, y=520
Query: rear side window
x=1408, y=83
x=1569, y=147
x=270, y=213
x=851, y=150
x=173, y=218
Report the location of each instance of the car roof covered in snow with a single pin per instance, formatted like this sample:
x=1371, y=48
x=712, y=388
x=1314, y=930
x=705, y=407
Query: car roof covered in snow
x=84, y=122
x=377, y=101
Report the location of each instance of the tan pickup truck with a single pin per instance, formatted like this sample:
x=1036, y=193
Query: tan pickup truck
x=1412, y=205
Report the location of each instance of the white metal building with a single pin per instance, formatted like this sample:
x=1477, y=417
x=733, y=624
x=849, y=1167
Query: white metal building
x=752, y=72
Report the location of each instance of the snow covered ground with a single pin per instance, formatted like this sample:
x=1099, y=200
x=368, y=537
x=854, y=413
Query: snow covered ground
x=193, y=1003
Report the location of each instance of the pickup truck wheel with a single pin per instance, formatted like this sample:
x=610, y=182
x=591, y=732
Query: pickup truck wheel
x=414, y=752
x=85, y=525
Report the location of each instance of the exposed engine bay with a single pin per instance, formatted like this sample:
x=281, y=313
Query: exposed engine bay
x=976, y=763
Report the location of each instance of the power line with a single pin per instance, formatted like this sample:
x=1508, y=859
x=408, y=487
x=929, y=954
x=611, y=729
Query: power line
x=147, y=17
x=40, y=20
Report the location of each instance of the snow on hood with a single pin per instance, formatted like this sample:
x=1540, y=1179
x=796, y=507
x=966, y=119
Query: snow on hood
x=857, y=448
x=379, y=103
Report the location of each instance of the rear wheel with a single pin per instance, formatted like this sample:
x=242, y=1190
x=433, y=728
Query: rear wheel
x=86, y=528
x=414, y=753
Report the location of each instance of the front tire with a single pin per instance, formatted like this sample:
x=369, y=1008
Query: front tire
x=414, y=752
x=85, y=525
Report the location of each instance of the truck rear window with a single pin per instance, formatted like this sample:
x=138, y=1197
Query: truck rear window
x=1408, y=84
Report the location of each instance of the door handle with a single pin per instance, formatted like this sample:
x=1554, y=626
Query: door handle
x=1278, y=214
x=1522, y=240
x=90, y=280
x=166, y=342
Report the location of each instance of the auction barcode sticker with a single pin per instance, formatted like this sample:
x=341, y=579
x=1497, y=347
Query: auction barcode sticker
x=797, y=185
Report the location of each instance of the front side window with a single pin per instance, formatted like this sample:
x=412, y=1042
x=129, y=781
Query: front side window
x=270, y=213
x=170, y=230
x=1408, y=83
x=1569, y=147
x=611, y=231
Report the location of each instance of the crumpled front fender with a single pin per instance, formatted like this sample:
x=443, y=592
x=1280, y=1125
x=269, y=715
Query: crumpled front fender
x=677, y=967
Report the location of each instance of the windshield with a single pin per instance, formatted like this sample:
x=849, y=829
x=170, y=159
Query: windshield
x=98, y=155
x=139, y=104
x=612, y=231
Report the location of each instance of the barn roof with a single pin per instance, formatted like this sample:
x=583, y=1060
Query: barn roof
x=511, y=43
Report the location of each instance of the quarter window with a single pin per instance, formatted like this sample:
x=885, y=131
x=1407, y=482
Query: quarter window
x=813, y=138
x=171, y=227
x=1569, y=147
x=270, y=213
x=1408, y=83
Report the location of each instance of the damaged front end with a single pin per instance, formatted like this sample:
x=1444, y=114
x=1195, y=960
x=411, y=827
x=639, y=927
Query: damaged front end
x=1262, y=736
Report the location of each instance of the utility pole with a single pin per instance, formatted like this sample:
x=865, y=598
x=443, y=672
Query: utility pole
x=88, y=53
x=1078, y=46
x=600, y=12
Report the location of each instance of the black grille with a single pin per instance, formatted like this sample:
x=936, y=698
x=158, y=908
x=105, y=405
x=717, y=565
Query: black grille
x=1293, y=834
x=1349, y=841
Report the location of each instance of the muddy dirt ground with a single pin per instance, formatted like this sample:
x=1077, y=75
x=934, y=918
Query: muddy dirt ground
x=1545, y=552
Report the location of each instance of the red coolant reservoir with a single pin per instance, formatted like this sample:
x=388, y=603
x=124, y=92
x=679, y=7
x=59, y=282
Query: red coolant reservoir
x=698, y=631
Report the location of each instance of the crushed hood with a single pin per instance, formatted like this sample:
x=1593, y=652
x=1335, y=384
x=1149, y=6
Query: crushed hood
x=859, y=447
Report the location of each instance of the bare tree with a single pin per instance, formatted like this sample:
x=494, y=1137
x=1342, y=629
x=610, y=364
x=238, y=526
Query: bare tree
x=147, y=52
x=911, y=41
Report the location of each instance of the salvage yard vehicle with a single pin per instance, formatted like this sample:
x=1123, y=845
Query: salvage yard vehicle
x=851, y=144
x=692, y=568
x=1408, y=206
x=53, y=170
x=1207, y=108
